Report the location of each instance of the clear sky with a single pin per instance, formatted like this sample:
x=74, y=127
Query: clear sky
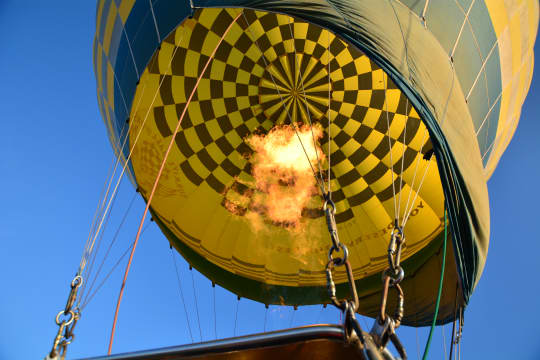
x=55, y=156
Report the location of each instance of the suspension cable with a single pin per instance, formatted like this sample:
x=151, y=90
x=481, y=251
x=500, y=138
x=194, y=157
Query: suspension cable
x=440, y=288
x=156, y=182
x=115, y=237
x=182, y=295
x=444, y=341
x=87, y=300
x=453, y=324
x=265, y=317
x=98, y=208
x=215, y=313
x=385, y=78
x=414, y=179
x=453, y=334
x=423, y=16
x=101, y=212
x=68, y=318
x=135, y=141
x=93, y=257
x=196, y=302
x=91, y=295
x=329, y=131
x=236, y=315
x=90, y=242
x=460, y=332
x=403, y=156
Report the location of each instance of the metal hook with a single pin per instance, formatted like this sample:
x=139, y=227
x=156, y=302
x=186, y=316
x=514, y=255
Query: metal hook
x=71, y=317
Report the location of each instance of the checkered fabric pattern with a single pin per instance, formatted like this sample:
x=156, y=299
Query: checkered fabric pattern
x=257, y=80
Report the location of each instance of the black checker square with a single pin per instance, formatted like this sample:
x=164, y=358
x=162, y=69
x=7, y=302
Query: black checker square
x=221, y=23
x=231, y=73
x=385, y=119
x=166, y=90
x=215, y=184
x=349, y=70
x=341, y=138
x=207, y=110
x=186, y=121
x=207, y=160
x=225, y=146
x=359, y=156
x=377, y=99
x=190, y=173
x=197, y=38
x=183, y=145
x=384, y=147
x=203, y=134
x=224, y=123
x=348, y=178
x=161, y=121
x=230, y=168
x=216, y=89
x=388, y=193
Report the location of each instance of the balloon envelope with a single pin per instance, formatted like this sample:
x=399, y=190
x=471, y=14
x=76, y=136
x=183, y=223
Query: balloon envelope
x=384, y=85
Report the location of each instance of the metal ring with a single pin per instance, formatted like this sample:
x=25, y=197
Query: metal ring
x=77, y=281
x=395, y=277
x=67, y=341
x=399, y=276
x=345, y=254
x=62, y=312
x=329, y=201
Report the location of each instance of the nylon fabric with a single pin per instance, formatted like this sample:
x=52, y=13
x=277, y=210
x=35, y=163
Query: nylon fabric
x=468, y=105
x=211, y=164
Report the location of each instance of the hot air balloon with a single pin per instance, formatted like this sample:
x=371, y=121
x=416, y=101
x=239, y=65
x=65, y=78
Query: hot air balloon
x=393, y=114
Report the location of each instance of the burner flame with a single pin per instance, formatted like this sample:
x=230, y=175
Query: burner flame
x=283, y=175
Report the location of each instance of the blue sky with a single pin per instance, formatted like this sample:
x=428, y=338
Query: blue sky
x=54, y=159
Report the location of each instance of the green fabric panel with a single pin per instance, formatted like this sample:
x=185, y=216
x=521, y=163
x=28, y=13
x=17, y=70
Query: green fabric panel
x=445, y=19
x=482, y=28
x=468, y=58
x=479, y=104
x=494, y=78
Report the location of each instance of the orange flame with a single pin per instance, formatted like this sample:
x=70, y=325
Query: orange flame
x=282, y=171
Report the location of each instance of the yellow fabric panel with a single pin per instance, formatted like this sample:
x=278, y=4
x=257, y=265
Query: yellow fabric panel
x=206, y=191
x=124, y=9
x=516, y=25
x=111, y=17
x=99, y=67
x=100, y=17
